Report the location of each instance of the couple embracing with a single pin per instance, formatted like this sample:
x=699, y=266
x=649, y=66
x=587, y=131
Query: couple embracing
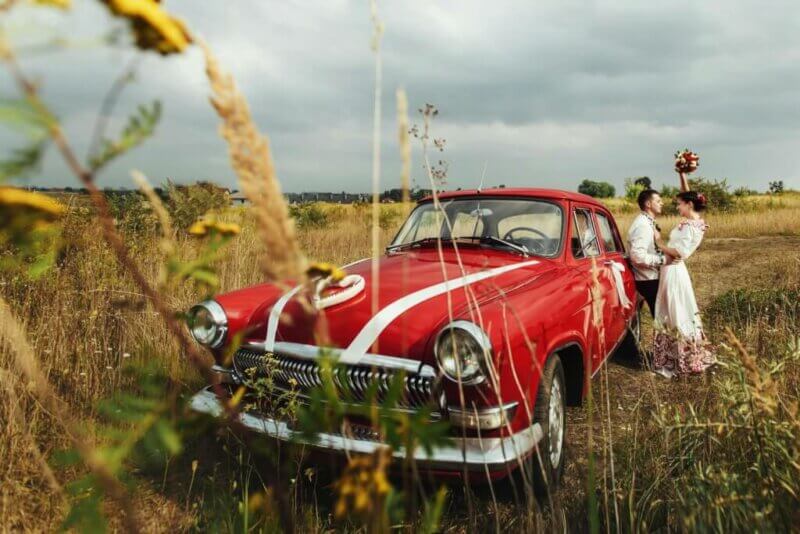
x=662, y=279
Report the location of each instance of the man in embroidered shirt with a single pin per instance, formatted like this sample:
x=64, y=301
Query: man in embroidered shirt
x=645, y=256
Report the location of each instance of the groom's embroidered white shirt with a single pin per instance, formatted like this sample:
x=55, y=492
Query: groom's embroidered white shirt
x=646, y=258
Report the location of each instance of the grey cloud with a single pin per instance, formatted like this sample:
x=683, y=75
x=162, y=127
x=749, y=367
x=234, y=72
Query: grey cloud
x=544, y=93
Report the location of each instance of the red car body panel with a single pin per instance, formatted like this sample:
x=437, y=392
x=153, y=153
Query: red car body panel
x=528, y=313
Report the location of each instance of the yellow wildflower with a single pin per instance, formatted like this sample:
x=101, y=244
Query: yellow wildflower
x=364, y=484
x=227, y=228
x=237, y=397
x=327, y=270
x=153, y=27
x=61, y=4
x=262, y=503
x=199, y=228
x=204, y=227
x=42, y=205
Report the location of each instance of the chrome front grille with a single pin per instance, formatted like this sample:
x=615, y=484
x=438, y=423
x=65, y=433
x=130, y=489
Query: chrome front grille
x=352, y=381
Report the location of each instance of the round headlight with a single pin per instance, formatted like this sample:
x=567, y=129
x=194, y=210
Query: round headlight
x=208, y=323
x=463, y=351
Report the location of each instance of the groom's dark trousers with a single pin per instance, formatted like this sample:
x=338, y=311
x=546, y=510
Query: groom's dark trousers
x=648, y=289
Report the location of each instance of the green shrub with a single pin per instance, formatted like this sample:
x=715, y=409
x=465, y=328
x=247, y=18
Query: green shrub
x=741, y=192
x=310, y=215
x=716, y=192
x=388, y=217
x=596, y=189
x=717, y=195
x=633, y=186
x=132, y=212
x=187, y=203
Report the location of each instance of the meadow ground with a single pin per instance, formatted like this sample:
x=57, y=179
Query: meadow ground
x=86, y=321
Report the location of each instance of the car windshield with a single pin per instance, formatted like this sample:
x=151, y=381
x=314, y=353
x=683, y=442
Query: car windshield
x=528, y=225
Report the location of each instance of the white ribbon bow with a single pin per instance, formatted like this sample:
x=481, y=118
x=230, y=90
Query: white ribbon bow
x=616, y=269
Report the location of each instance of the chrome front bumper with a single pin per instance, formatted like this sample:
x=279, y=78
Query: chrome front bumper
x=474, y=454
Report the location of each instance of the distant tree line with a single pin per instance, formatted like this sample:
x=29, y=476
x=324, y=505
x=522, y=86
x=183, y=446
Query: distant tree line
x=597, y=189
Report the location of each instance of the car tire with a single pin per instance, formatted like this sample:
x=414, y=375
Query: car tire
x=550, y=413
x=630, y=348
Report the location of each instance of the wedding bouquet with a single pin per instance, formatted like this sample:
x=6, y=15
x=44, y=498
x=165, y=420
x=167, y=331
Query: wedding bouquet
x=686, y=161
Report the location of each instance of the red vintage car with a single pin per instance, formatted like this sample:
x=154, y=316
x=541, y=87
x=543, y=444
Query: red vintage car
x=498, y=305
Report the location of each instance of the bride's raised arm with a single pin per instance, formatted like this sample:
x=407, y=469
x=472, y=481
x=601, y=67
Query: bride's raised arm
x=686, y=161
x=684, y=182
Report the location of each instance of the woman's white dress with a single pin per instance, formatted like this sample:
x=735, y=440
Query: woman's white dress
x=680, y=344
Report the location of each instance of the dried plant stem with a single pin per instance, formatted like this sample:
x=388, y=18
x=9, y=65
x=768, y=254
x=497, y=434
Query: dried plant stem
x=109, y=101
x=251, y=159
x=405, y=149
x=12, y=333
x=376, y=155
x=155, y=203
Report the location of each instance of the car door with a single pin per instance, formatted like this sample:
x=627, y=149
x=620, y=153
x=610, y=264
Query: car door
x=586, y=252
x=623, y=297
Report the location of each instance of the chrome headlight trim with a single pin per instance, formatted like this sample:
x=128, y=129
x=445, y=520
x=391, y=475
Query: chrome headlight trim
x=480, y=337
x=219, y=319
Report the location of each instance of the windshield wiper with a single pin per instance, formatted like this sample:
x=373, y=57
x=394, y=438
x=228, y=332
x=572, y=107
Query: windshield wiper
x=522, y=249
x=417, y=243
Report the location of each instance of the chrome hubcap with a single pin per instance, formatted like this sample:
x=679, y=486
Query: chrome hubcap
x=556, y=421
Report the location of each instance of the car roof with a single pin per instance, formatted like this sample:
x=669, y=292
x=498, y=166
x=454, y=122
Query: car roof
x=530, y=192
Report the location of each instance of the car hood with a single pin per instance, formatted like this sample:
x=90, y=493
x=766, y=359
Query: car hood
x=418, y=292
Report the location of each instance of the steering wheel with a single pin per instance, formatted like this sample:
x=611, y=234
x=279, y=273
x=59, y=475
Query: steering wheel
x=536, y=245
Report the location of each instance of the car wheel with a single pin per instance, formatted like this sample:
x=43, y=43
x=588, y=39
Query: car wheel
x=630, y=348
x=550, y=414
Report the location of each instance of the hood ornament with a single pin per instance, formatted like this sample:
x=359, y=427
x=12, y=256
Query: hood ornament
x=329, y=293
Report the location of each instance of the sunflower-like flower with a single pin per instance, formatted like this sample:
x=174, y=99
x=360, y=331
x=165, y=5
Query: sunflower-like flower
x=28, y=223
x=153, y=28
x=19, y=199
x=23, y=211
x=205, y=227
x=364, y=483
x=325, y=270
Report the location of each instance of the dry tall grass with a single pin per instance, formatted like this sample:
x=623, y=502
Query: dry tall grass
x=85, y=320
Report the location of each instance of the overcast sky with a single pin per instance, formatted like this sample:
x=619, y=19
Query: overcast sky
x=543, y=93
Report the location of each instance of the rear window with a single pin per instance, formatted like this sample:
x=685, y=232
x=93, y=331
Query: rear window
x=607, y=234
x=584, y=238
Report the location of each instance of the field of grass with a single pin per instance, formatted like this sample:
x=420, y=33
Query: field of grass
x=718, y=452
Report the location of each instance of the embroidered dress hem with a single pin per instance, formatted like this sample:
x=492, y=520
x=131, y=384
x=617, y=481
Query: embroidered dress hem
x=674, y=354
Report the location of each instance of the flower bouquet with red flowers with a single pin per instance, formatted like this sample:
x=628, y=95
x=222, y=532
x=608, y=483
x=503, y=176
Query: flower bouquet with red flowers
x=686, y=161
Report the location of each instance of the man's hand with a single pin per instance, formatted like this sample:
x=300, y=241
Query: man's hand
x=671, y=260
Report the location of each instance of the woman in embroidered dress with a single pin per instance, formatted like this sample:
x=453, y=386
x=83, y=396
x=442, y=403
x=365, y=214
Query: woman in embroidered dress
x=680, y=344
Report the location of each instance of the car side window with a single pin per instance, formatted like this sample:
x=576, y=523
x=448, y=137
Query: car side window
x=607, y=234
x=584, y=238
